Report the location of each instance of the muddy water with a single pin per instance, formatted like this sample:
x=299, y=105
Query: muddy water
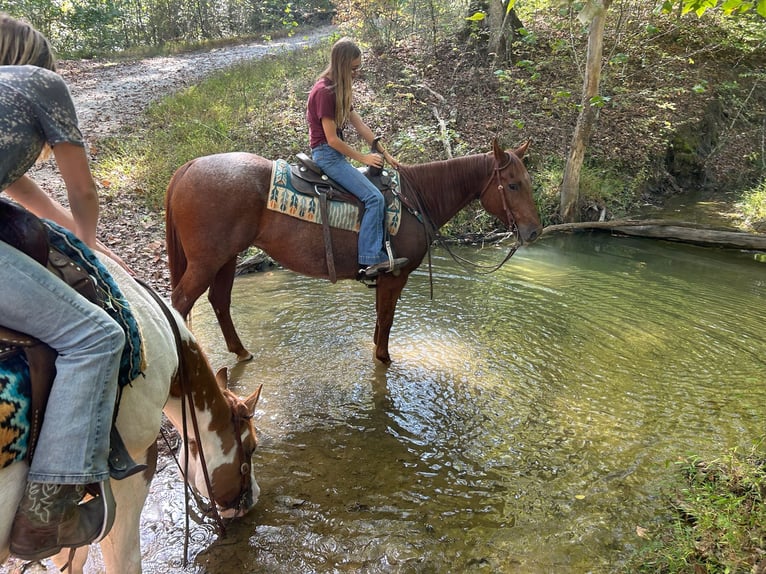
x=526, y=423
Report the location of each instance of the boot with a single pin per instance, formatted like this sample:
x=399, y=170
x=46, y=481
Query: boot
x=384, y=267
x=52, y=516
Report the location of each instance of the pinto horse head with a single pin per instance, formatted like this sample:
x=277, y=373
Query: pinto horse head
x=508, y=195
x=219, y=463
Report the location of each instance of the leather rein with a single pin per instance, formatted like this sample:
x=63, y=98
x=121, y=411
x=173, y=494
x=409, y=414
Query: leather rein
x=186, y=396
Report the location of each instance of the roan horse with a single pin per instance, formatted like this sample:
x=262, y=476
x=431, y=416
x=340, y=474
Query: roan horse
x=227, y=437
x=216, y=207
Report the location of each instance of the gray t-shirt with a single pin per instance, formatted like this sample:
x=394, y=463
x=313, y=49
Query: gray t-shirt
x=35, y=107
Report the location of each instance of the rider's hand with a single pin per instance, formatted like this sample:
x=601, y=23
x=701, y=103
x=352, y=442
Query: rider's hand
x=374, y=160
x=393, y=162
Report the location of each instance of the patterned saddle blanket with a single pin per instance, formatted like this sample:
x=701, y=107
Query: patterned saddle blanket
x=14, y=371
x=285, y=197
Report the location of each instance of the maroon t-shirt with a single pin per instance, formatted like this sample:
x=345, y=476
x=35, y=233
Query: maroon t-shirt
x=321, y=104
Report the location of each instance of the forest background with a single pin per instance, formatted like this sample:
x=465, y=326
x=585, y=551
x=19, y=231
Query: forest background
x=626, y=102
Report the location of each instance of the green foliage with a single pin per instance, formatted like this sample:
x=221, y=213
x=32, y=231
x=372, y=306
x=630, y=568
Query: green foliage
x=728, y=7
x=753, y=205
x=718, y=523
x=93, y=27
x=386, y=23
x=602, y=188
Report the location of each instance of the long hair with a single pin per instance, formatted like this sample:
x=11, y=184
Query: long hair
x=21, y=44
x=338, y=72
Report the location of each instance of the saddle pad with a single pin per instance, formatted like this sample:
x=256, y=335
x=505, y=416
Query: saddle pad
x=14, y=372
x=342, y=215
x=14, y=409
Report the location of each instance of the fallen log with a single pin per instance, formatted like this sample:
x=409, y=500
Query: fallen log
x=681, y=231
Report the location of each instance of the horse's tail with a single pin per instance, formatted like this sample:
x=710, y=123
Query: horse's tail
x=176, y=254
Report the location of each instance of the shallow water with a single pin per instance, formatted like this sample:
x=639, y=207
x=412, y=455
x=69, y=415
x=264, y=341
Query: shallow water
x=526, y=424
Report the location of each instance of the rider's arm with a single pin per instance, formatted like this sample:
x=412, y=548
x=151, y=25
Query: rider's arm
x=365, y=132
x=27, y=193
x=331, y=133
x=81, y=192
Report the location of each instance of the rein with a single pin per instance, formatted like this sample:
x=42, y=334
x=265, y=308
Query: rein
x=186, y=395
x=432, y=233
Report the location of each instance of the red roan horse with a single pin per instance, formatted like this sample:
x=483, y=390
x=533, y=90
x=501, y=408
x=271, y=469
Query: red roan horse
x=216, y=207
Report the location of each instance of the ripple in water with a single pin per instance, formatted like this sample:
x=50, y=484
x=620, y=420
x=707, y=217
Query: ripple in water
x=526, y=422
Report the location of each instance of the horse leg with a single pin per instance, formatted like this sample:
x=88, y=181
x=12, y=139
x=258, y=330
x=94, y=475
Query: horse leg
x=219, y=296
x=387, y=294
x=13, y=478
x=189, y=288
x=121, y=549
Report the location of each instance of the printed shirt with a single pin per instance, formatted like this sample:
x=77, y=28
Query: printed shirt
x=35, y=107
x=321, y=104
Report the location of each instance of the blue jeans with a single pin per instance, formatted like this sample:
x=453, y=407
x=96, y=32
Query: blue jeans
x=337, y=167
x=74, y=439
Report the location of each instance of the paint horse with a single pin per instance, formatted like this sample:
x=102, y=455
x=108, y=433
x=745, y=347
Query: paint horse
x=216, y=207
x=227, y=437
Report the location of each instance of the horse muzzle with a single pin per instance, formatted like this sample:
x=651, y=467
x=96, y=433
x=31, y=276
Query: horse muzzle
x=528, y=233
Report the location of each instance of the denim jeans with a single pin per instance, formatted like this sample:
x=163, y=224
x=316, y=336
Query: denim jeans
x=74, y=440
x=337, y=167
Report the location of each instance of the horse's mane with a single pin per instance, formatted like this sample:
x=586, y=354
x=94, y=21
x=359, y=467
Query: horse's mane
x=432, y=174
x=451, y=182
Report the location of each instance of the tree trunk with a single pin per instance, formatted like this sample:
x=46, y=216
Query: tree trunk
x=501, y=22
x=570, y=186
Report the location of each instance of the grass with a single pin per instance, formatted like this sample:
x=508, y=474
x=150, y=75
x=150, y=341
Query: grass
x=233, y=110
x=753, y=204
x=718, y=521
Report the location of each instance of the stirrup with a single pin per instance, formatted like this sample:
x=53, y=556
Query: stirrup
x=121, y=464
x=104, y=498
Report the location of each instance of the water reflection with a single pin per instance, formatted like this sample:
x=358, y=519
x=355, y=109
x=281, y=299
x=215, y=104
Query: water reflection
x=525, y=424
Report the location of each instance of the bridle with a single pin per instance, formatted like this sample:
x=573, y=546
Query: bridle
x=432, y=234
x=237, y=420
x=501, y=190
x=245, y=476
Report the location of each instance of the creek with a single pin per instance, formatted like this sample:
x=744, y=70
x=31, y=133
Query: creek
x=527, y=423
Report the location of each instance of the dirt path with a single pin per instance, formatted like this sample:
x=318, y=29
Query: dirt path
x=110, y=97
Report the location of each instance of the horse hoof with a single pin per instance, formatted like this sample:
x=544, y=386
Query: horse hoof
x=243, y=358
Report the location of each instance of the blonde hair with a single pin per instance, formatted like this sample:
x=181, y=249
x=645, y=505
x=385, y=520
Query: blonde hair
x=338, y=72
x=21, y=44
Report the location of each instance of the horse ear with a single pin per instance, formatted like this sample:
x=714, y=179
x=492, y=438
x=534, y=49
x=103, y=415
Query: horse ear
x=522, y=149
x=252, y=400
x=222, y=377
x=498, y=151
